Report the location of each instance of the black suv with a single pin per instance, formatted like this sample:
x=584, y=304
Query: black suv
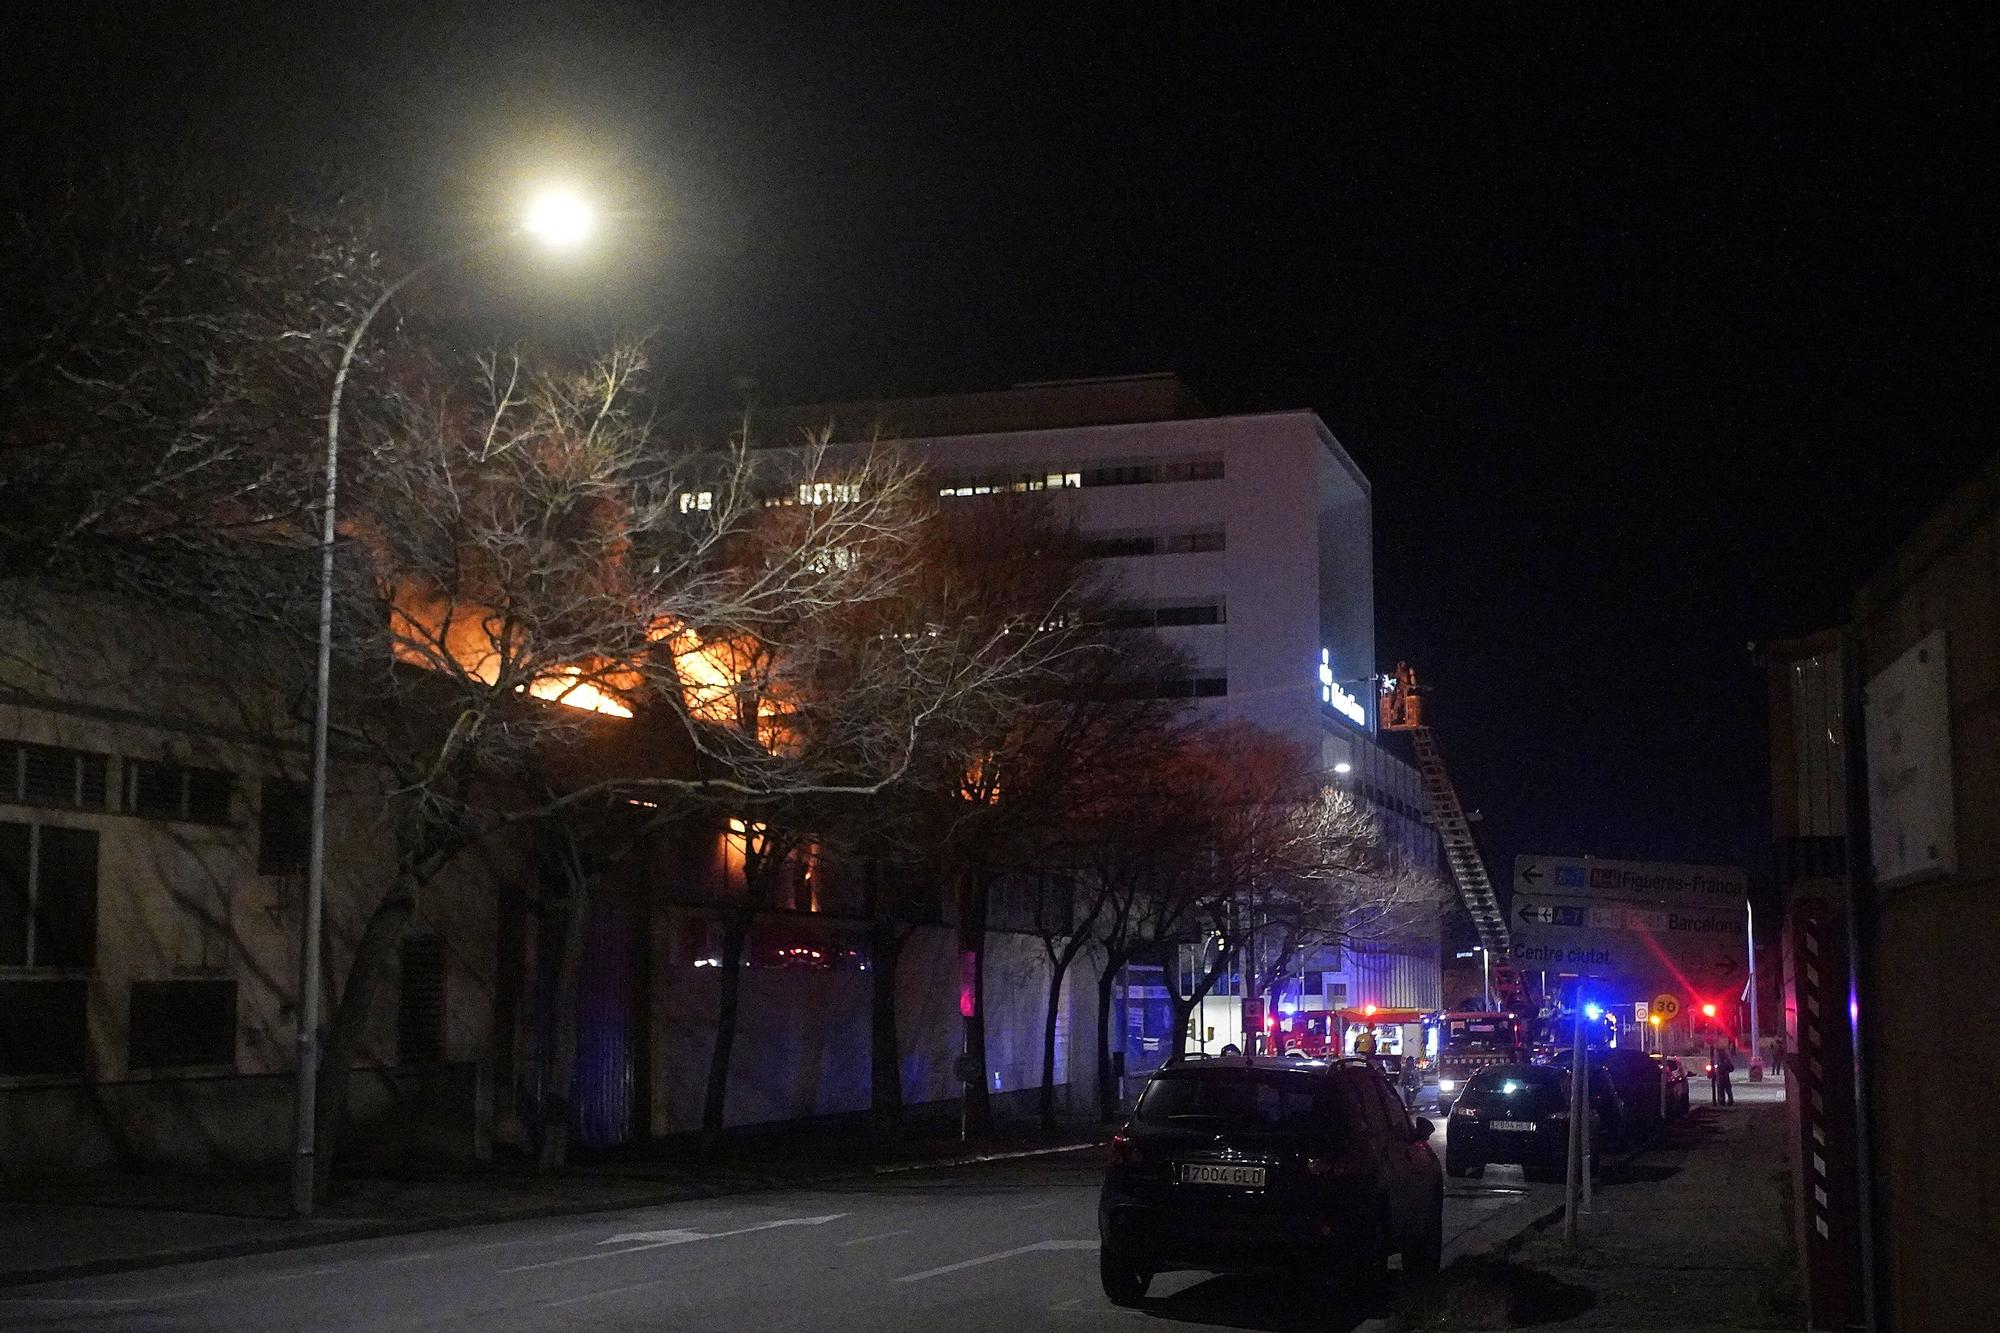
x=1262, y=1166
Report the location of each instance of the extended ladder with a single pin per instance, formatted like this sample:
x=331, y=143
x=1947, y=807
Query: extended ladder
x=1402, y=710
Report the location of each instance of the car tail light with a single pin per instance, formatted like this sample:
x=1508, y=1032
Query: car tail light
x=1123, y=1153
x=1465, y=1112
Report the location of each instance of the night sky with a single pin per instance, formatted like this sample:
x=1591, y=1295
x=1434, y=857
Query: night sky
x=1654, y=326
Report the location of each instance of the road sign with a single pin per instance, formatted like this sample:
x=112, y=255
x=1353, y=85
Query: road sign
x=1666, y=1005
x=1657, y=881
x=1656, y=922
x=1639, y=1012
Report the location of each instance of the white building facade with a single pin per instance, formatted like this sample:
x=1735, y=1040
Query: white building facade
x=1245, y=541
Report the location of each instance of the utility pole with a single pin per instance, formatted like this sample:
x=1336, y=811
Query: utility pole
x=1750, y=929
x=1579, y=1107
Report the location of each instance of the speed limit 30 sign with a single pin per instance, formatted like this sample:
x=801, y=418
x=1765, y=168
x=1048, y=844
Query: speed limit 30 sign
x=1666, y=1005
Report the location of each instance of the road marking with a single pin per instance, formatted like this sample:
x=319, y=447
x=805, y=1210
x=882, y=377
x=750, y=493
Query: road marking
x=674, y=1238
x=99, y=1300
x=608, y=1291
x=880, y=1235
x=671, y=1236
x=302, y=1272
x=409, y=1258
x=996, y=1258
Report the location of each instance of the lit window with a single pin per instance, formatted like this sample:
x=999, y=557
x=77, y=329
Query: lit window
x=828, y=492
x=697, y=500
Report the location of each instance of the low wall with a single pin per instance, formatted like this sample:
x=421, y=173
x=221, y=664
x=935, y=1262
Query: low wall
x=232, y=1120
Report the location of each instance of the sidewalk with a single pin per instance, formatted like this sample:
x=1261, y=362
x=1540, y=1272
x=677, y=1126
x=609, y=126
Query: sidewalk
x=1690, y=1235
x=100, y=1222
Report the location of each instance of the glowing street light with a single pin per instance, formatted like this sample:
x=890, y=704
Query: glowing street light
x=560, y=219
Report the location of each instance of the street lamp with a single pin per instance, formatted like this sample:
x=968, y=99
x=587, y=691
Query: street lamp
x=560, y=219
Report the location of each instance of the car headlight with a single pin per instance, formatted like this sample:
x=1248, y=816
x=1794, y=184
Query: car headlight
x=1447, y=1085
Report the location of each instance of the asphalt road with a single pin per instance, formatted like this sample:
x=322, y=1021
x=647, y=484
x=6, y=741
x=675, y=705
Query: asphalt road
x=1005, y=1245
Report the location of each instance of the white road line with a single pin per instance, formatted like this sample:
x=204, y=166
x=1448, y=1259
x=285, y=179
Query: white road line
x=95, y=1300
x=297, y=1273
x=409, y=1258
x=676, y=1238
x=996, y=1258
x=608, y=1291
x=880, y=1235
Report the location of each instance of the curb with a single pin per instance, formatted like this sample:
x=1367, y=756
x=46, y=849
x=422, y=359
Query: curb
x=340, y=1233
x=975, y=1159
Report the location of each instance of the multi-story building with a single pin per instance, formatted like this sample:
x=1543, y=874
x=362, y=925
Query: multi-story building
x=1245, y=541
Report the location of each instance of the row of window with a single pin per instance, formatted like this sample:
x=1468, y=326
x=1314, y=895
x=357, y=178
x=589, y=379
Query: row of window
x=62, y=778
x=1169, y=614
x=1118, y=545
x=1389, y=801
x=55, y=777
x=1199, y=467
x=1167, y=687
x=187, y=1022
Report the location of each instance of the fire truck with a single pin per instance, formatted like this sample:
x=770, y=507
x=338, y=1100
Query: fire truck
x=1469, y=1041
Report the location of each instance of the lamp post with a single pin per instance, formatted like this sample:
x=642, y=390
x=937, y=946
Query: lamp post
x=560, y=219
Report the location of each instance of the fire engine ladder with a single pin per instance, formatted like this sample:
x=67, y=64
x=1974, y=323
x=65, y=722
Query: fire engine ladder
x=1461, y=853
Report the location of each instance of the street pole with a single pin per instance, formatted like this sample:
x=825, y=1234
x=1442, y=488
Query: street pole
x=1579, y=1107
x=1750, y=929
x=306, y=1089
x=1486, y=976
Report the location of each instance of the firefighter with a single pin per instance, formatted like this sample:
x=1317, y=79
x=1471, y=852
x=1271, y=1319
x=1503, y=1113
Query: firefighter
x=1364, y=1045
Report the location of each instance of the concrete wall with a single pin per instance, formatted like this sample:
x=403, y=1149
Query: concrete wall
x=802, y=1042
x=1933, y=951
x=182, y=900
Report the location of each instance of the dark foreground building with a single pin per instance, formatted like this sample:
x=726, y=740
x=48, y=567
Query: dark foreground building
x=1885, y=762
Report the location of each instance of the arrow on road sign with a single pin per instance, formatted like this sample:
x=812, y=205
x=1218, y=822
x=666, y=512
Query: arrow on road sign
x=1532, y=875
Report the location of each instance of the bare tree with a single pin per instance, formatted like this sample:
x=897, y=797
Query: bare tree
x=163, y=364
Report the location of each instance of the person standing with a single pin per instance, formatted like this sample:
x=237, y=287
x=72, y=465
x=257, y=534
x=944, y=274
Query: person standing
x=1724, y=1067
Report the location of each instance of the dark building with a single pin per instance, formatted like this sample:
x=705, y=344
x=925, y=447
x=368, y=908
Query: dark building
x=1885, y=763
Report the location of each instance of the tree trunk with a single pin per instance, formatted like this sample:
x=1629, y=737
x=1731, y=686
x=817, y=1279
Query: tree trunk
x=885, y=1053
x=972, y=939
x=560, y=1069
x=1107, y=1090
x=1048, y=1093
x=373, y=956
x=1184, y=1008
x=729, y=992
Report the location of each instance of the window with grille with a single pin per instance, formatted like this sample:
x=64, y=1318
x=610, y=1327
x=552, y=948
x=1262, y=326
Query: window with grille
x=50, y=775
x=48, y=896
x=42, y=1029
x=181, y=1022
x=162, y=790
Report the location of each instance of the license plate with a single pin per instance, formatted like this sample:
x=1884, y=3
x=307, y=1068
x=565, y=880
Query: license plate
x=1514, y=1126
x=1211, y=1173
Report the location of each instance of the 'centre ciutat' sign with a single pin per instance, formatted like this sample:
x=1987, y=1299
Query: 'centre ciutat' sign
x=1685, y=923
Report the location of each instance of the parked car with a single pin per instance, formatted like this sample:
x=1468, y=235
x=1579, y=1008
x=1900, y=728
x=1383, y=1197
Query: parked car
x=1519, y=1115
x=1278, y=1166
x=1641, y=1086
